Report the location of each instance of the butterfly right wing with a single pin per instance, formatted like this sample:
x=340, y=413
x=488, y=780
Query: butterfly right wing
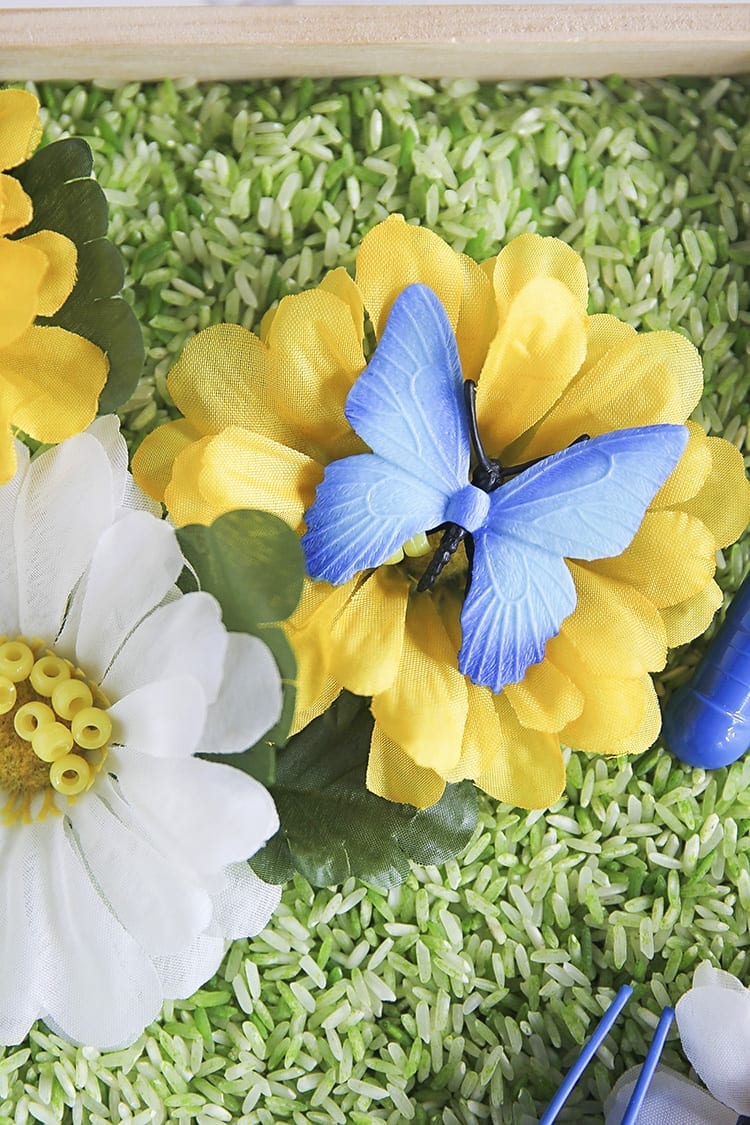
x=586, y=502
x=408, y=406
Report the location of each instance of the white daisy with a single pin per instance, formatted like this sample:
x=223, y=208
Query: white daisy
x=122, y=853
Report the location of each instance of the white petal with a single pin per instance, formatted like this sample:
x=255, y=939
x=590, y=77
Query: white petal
x=672, y=1099
x=135, y=564
x=97, y=984
x=706, y=975
x=714, y=1025
x=64, y=506
x=249, y=702
x=8, y=579
x=162, y=909
x=19, y=1003
x=245, y=903
x=164, y=718
x=204, y=814
x=183, y=974
x=127, y=494
x=183, y=638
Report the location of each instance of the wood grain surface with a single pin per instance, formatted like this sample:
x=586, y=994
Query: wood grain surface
x=487, y=41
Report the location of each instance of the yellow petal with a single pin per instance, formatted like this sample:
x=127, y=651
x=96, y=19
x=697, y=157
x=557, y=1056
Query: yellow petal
x=315, y=348
x=20, y=127
x=394, y=775
x=691, y=472
x=671, y=558
x=633, y=702
x=425, y=709
x=58, y=377
x=327, y=695
x=60, y=276
x=22, y=269
x=240, y=469
x=395, y=254
x=690, y=618
x=155, y=456
x=482, y=736
x=537, y=351
x=15, y=206
x=366, y=638
x=545, y=699
x=531, y=257
x=477, y=318
x=528, y=769
x=309, y=633
x=723, y=502
x=8, y=461
x=614, y=707
x=342, y=286
x=641, y=380
x=615, y=630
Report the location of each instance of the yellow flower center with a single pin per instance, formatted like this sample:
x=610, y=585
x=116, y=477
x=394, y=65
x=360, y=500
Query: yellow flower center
x=54, y=730
x=415, y=556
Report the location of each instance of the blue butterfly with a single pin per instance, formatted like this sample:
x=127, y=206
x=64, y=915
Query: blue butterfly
x=586, y=502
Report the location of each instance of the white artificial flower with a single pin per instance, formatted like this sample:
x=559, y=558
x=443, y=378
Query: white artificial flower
x=713, y=1018
x=123, y=865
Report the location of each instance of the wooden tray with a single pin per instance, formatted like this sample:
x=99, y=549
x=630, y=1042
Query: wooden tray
x=488, y=41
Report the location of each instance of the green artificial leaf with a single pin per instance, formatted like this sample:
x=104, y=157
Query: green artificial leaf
x=67, y=200
x=253, y=564
x=333, y=827
x=259, y=762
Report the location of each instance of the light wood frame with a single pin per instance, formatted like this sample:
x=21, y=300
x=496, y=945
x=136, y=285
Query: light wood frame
x=487, y=41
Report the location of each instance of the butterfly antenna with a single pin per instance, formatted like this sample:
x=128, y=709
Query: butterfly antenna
x=470, y=399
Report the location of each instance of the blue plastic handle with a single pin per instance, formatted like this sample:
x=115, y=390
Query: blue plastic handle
x=707, y=722
x=648, y=1069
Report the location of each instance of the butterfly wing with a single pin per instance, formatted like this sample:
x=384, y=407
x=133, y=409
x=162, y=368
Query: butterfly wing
x=364, y=510
x=408, y=406
x=586, y=502
x=408, y=403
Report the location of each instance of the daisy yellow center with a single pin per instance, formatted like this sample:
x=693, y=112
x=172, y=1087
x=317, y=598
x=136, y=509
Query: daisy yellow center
x=54, y=730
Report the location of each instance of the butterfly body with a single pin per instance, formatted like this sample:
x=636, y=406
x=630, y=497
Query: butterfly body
x=585, y=502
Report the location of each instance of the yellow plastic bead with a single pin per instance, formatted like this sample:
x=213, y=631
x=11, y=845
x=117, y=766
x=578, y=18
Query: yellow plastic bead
x=30, y=717
x=396, y=557
x=418, y=545
x=91, y=728
x=69, y=697
x=47, y=673
x=16, y=660
x=51, y=741
x=7, y=695
x=70, y=775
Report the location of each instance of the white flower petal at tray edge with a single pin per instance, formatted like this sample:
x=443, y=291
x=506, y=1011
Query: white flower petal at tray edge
x=123, y=863
x=713, y=1018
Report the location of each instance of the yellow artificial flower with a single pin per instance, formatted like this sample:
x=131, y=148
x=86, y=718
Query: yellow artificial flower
x=50, y=378
x=264, y=415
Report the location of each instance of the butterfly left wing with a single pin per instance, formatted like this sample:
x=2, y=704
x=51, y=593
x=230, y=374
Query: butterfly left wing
x=586, y=502
x=408, y=406
x=364, y=510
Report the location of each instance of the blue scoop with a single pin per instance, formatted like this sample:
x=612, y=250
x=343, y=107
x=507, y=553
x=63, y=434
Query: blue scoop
x=707, y=722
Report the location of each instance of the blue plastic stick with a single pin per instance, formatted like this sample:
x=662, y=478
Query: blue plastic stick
x=649, y=1067
x=600, y=1033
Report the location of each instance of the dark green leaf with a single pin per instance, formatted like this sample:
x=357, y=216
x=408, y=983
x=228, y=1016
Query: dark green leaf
x=68, y=201
x=260, y=762
x=333, y=827
x=252, y=563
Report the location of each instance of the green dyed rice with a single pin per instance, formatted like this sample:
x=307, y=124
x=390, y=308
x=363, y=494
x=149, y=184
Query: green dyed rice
x=464, y=995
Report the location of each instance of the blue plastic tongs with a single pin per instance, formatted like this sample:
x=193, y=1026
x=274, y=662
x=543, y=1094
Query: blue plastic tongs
x=598, y=1036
